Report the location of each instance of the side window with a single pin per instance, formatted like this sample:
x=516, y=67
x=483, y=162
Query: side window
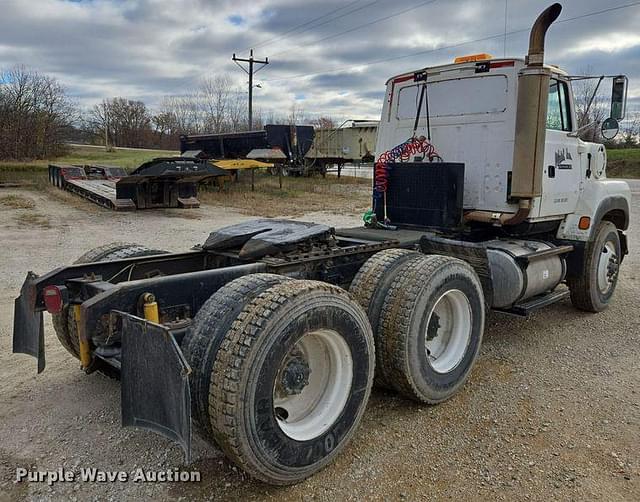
x=558, y=112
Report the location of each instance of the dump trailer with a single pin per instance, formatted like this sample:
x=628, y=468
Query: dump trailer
x=353, y=142
x=270, y=335
x=161, y=182
x=283, y=145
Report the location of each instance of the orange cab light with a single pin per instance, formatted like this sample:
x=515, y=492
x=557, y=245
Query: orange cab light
x=584, y=223
x=473, y=57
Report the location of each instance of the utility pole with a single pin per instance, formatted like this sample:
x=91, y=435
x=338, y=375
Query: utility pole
x=250, y=72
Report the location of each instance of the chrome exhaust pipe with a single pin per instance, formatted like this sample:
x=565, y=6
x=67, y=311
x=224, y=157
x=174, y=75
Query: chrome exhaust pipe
x=538, y=34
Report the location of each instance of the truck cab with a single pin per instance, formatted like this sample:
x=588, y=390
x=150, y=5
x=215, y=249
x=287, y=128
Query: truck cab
x=468, y=112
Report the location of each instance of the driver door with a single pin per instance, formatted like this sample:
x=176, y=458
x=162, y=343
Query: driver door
x=561, y=183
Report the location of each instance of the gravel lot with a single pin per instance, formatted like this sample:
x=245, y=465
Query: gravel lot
x=552, y=410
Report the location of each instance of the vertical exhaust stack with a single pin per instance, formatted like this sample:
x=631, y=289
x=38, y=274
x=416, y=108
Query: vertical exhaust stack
x=531, y=117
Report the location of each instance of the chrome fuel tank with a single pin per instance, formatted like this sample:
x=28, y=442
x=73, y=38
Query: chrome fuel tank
x=516, y=278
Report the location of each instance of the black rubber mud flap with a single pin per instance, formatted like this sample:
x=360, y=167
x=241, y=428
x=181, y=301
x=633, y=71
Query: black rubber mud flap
x=28, y=326
x=155, y=382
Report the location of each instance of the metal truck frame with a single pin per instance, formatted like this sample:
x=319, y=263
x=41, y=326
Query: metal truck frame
x=253, y=337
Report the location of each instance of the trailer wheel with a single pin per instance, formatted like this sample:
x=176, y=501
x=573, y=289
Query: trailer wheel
x=369, y=288
x=593, y=288
x=291, y=380
x=209, y=327
x=63, y=323
x=432, y=323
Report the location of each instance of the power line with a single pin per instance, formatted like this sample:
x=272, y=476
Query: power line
x=289, y=32
x=359, y=27
x=453, y=46
x=504, y=46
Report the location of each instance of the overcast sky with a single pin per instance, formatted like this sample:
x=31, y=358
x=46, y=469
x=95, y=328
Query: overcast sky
x=146, y=49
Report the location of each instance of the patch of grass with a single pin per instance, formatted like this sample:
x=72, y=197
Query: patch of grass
x=623, y=163
x=17, y=202
x=128, y=159
x=296, y=197
x=35, y=171
x=623, y=154
x=33, y=219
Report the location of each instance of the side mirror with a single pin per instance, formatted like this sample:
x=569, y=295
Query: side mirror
x=610, y=128
x=618, y=97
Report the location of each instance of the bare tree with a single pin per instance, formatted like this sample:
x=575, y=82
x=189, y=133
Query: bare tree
x=323, y=123
x=590, y=103
x=35, y=115
x=630, y=136
x=123, y=122
x=296, y=114
x=214, y=98
x=237, y=114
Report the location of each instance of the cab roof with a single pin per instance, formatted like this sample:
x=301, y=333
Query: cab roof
x=499, y=62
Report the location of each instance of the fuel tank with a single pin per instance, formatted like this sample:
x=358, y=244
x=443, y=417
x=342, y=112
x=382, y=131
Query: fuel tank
x=518, y=272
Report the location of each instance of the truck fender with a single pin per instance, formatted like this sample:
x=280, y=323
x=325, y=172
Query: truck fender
x=614, y=203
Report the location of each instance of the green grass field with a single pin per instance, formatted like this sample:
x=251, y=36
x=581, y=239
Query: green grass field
x=89, y=155
x=35, y=171
x=623, y=163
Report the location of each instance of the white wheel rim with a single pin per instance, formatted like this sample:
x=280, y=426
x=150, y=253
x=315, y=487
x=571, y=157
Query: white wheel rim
x=318, y=396
x=607, y=267
x=448, y=331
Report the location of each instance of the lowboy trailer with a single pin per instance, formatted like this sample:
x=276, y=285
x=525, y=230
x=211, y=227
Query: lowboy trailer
x=161, y=182
x=254, y=336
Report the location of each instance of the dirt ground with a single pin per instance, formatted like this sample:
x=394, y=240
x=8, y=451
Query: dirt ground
x=551, y=411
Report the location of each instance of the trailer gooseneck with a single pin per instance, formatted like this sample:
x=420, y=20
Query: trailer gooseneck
x=270, y=335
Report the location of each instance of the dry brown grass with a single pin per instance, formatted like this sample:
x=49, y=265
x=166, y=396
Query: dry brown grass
x=297, y=196
x=32, y=219
x=17, y=202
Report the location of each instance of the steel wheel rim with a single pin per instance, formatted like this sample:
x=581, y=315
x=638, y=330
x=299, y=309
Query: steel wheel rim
x=307, y=403
x=607, y=267
x=448, y=331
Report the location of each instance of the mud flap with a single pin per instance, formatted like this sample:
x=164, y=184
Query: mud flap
x=28, y=325
x=155, y=381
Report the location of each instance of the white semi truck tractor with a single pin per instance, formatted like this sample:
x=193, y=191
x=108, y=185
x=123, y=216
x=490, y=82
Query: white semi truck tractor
x=528, y=177
x=270, y=335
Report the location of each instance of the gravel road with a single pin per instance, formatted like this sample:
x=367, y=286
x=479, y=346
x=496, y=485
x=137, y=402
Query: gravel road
x=552, y=410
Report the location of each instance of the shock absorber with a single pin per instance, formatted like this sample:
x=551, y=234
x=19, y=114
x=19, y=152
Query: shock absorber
x=150, y=307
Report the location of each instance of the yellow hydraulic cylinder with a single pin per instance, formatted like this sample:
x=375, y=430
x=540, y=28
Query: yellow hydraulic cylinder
x=151, y=308
x=85, y=351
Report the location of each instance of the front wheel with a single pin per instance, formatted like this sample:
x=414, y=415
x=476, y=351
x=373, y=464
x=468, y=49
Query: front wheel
x=291, y=380
x=593, y=288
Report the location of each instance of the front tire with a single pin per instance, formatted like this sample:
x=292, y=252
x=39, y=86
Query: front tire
x=593, y=288
x=291, y=380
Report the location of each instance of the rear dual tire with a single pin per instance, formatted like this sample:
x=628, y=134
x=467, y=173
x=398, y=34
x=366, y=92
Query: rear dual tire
x=289, y=380
x=64, y=323
x=427, y=314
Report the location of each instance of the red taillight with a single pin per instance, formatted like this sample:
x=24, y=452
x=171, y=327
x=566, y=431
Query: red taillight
x=53, y=299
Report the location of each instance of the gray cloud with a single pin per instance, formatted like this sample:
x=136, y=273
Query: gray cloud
x=146, y=49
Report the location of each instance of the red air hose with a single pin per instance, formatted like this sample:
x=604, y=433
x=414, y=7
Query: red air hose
x=403, y=153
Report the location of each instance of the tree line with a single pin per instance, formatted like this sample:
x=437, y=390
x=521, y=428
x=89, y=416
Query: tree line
x=38, y=117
